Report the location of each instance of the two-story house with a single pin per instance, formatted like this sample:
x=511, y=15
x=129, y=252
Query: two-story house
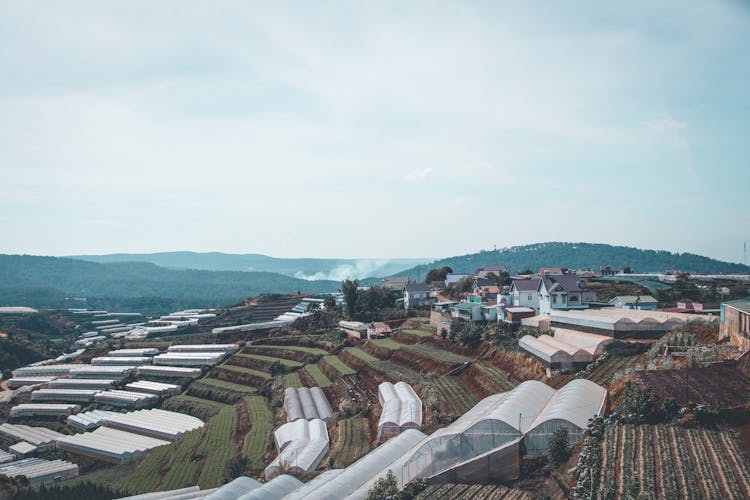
x=417, y=295
x=525, y=293
x=562, y=291
x=640, y=302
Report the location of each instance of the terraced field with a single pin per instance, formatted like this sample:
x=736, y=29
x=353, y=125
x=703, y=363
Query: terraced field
x=217, y=447
x=353, y=441
x=339, y=365
x=439, y=354
x=270, y=359
x=318, y=376
x=498, y=377
x=359, y=353
x=308, y=350
x=256, y=441
x=387, y=343
x=472, y=492
x=292, y=380
x=223, y=384
x=416, y=333
x=197, y=407
x=605, y=373
x=245, y=371
x=454, y=397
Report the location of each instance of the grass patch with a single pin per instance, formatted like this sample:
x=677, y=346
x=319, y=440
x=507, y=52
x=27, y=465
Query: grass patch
x=270, y=359
x=257, y=440
x=292, y=380
x=246, y=371
x=309, y=350
x=359, y=353
x=440, y=354
x=318, y=376
x=417, y=333
x=387, y=343
x=339, y=365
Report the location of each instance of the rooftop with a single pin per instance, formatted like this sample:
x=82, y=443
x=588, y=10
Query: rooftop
x=742, y=305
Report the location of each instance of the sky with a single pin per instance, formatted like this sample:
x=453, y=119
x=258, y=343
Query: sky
x=373, y=128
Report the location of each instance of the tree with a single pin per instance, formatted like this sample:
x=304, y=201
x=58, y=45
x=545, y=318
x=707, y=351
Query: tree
x=471, y=335
x=527, y=271
x=385, y=488
x=350, y=290
x=329, y=302
x=276, y=368
x=237, y=467
x=637, y=405
x=437, y=274
x=502, y=279
x=558, y=446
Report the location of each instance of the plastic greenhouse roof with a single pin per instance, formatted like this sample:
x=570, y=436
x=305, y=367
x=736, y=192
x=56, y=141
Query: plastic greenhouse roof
x=576, y=402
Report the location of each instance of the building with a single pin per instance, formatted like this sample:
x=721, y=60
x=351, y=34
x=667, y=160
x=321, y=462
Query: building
x=417, y=295
x=470, y=311
x=735, y=323
x=395, y=283
x=608, y=271
x=561, y=291
x=550, y=271
x=378, y=329
x=453, y=278
x=496, y=270
x=525, y=293
x=641, y=302
x=354, y=329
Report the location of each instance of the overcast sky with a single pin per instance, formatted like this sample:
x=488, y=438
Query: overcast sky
x=373, y=129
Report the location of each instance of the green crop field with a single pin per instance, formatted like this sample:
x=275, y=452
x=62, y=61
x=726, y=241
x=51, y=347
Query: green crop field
x=387, y=344
x=454, y=397
x=217, y=447
x=223, y=384
x=417, y=333
x=292, y=380
x=359, y=353
x=440, y=354
x=353, y=442
x=500, y=378
x=339, y=365
x=309, y=350
x=182, y=470
x=257, y=440
x=318, y=376
x=269, y=359
x=246, y=371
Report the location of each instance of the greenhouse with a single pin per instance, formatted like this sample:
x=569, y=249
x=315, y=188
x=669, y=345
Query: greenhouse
x=81, y=383
x=134, y=352
x=44, y=370
x=234, y=489
x=401, y=409
x=153, y=388
x=188, y=358
x=571, y=407
x=38, y=436
x=6, y=457
x=88, y=420
x=44, y=410
x=39, y=471
x=320, y=481
x=223, y=348
x=100, y=372
x=180, y=494
x=554, y=353
x=613, y=321
x=276, y=488
x=308, y=404
x=367, y=467
x=121, y=361
x=16, y=382
x=157, y=423
x=111, y=445
x=168, y=372
x=592, y=343
x=126, y=398
x=64, y=395
x=301, y=445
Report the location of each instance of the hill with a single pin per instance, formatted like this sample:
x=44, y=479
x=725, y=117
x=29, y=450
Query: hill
x=310, y=269
x=580, y=256
x=63, y=282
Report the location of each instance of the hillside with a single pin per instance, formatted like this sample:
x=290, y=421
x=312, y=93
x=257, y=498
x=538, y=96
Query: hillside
x=54, y=282
x=333, y=269
x=580, y=256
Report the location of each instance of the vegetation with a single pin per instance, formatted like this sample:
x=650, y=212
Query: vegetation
x=318, y=376
x=387, y=343
x=197, y=407
x=339, y=365
x=257, y=440
x=309, y=350
x=288, y=363
x=353, y=441
x=372, y=304
x=245, y=371
x=63, y=492
x=219, y=390
x=438, y=274
x=292, y=380
x=558, y=446
x=359, y=353
x=217, y=448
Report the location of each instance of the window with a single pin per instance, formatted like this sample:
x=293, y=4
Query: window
x=529, y=297
x=554, y=299
x=574, y=298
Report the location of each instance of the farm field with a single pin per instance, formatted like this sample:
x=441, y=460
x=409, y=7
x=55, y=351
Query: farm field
x=718, y=386
x=292, y=380
x=671, y=462
x=270, y=359
x=308, y=350
x=472, y=492
x=257, y=440
x=359, y=353
x=605, y=373
x=353, y=442
x=217, y=447
x=339, y=365
x=387, y=343
x=197, y=407
x=398, y=372
x=439, y=354
x=497, y=376
x=245, y=371
x=223, y=384
x=416, y=333
x=453, y=396
x=318, y=376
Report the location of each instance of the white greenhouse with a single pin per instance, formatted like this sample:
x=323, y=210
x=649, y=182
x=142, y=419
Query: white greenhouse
x=223, y=348
x=301, y=445
x=158, y=388
x=44, y=371
x=121, y=361
x=64, y=395
x=188, y=358
x=81, y=383
x=100, y=372
x=590, y=342
x=88, y=420
x=38, y=436
x=126, y=398
x=308, y=404
x=137, y=353
x=111, y=445
x=168, y=372
x=39, y=471
x=43, y=410
x=401, y=409
x=554, y=353
x=157, y=423
x=16, y=382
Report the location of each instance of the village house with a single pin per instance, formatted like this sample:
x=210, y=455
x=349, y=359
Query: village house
x=378, y=329
x=395, y=283
x=453, y=278
x=735, y=323
x=550, y=271
x=525, y=293
x=608, y=271
x=417, y=295
x=562, y=292
x=470, y=311
x=496, y=270
x=641, y=302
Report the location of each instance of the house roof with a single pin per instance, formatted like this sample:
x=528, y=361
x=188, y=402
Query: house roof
x=742, y=305
x=416, y=287
x=529, y=285
x=483, y=282
x=567, y=282
x=543, y=270
x=632, y=299
x=467, y=305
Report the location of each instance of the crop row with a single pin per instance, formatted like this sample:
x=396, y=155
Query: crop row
x=318, y=377
x=453, y=396
x=268, y=360
x=217, y=447
x=292, y=380
x=257, y=440
x=353, y=442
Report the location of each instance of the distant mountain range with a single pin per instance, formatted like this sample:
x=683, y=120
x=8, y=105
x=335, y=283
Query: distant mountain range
x=143, y=287
x=307, y=269
x=579, y=256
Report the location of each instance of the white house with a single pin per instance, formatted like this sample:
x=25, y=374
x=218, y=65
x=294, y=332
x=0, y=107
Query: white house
x=561, y=292
x=642, y=302
x=525, y=293
x=417, y=295
x=471, y=311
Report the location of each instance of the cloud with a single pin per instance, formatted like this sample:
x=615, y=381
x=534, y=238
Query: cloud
x=417, y=175
x=665, y=125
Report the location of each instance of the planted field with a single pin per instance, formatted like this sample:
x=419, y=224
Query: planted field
x=182, y=467
x=292, y=380
x=398, y=372
x=245, y=371
x=496, y=376
x=718, y=386
x=606, y=372
x=269, y=360
x=229, y=386
x=387, y=343
x=472, y=492
x=416, y=333
x=453, y=396
x=338, y=365
x=257, y=440
x=197, y=407
x=148, y=475
x=308, y=350
x=439, y=354
x=318, y=376
x=217, y=447
x=224, y=392
x=671, y=462
x=359, y=353
x=353, y=441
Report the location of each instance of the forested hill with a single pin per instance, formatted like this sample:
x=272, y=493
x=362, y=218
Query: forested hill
x=580, y=256
x=53, y=281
